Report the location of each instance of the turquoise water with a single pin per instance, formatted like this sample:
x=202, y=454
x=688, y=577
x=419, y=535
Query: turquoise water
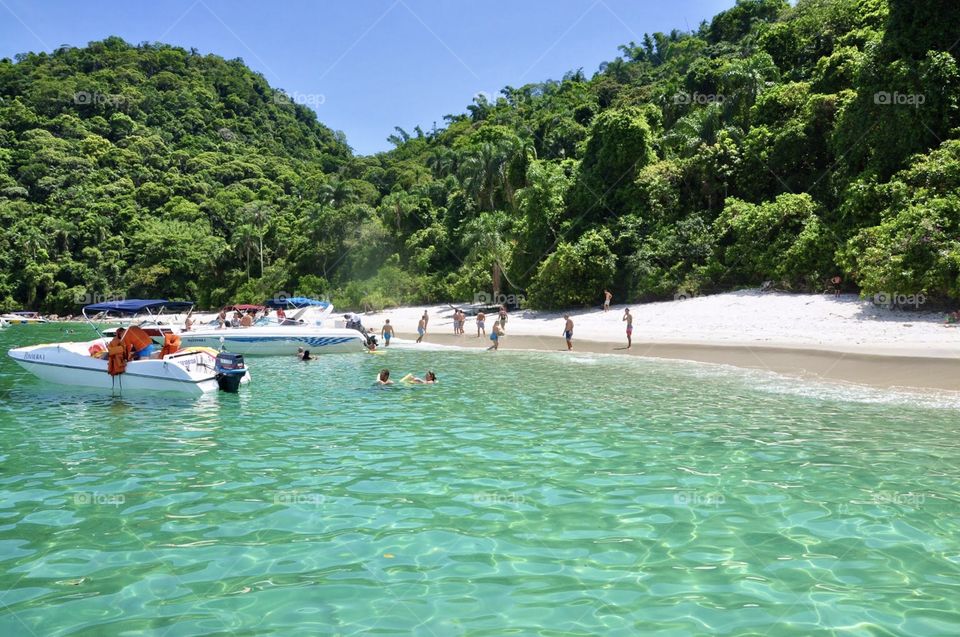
x=527, y=494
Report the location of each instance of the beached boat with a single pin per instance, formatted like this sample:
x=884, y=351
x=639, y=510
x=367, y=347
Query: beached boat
x=193, y=370
x=23, y=318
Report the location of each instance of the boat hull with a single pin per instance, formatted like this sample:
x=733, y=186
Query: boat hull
x=64, y=364
x=282, y=341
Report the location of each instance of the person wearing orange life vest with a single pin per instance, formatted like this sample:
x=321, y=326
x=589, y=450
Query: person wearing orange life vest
x=141, y=342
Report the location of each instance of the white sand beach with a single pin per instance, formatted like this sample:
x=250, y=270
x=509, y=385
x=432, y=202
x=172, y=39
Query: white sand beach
x=845, y=338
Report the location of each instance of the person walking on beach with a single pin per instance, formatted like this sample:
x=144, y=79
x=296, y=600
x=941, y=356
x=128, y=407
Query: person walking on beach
x=387, y=333
x=568, y=331
x=836, y=281
x=503, y=316
x=481, y=317
x=495, y=333
x=628, y=317
x=607, y=297
x=422, y=327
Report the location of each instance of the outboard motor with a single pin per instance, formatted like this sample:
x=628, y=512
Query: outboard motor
x=230, y=370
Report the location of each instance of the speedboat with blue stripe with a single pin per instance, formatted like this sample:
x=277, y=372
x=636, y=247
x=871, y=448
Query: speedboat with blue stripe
x=282, y=336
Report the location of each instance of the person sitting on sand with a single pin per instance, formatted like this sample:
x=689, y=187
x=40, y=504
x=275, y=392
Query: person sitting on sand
x=628, y=317
x=383, y=378
x=387, y=333
x=428, y=379
x=481, y=317
x=568, y=331
x=495, y=333
x=421, y=327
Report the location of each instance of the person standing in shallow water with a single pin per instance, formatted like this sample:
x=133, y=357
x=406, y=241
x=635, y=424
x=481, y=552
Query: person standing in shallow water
x=568, y=331
x=386, y=333
x=495, y=333
x=421, y=327
x=628, y=317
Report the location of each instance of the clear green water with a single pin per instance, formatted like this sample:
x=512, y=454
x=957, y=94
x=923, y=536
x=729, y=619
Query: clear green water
x=528, y=494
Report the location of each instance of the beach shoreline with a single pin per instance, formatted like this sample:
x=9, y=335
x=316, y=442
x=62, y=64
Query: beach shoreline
x=880, y=370
x=820, y=337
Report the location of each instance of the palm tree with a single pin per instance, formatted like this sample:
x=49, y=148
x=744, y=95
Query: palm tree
x=484, y=234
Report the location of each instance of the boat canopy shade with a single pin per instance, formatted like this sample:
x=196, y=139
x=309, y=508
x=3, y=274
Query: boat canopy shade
x=25, y=313
x=295, y=302
x=244, y=307
x=135, y=306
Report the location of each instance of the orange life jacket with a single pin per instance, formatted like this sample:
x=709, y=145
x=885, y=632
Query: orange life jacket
x=171, y=345
x=137, y=338
x=117, y=354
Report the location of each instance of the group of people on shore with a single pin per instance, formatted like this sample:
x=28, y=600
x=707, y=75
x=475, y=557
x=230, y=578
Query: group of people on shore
x=498, y=329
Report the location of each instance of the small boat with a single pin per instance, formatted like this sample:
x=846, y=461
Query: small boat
x=23, y=318
x=192, y=370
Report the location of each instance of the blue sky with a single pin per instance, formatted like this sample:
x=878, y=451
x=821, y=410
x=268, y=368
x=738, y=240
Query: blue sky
x=369, y=65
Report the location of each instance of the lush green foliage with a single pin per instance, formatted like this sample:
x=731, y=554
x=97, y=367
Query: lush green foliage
x=776, y=143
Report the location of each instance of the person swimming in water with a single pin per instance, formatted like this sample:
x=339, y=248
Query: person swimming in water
x=383, y=378
x=429, y=378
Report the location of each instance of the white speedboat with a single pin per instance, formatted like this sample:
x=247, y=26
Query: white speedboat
x=277, y=340
x=23, y=318
x=192, y=370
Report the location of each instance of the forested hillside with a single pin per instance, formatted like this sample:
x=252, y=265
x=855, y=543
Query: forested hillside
x=774, y=143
